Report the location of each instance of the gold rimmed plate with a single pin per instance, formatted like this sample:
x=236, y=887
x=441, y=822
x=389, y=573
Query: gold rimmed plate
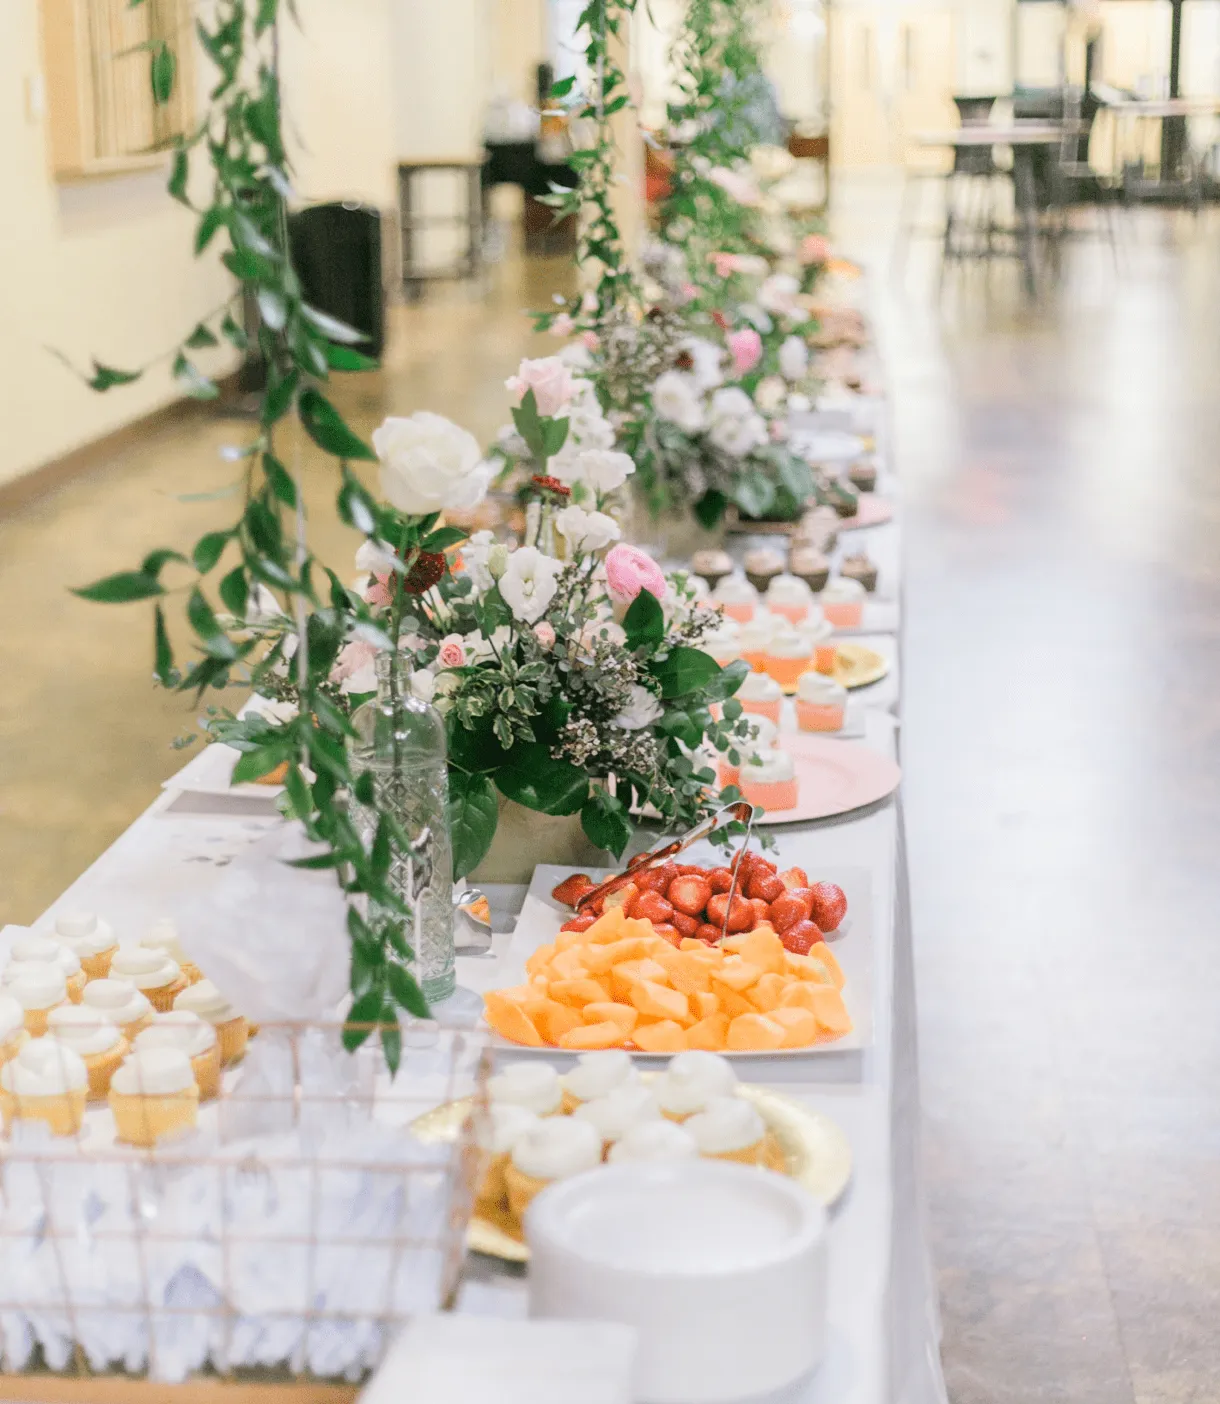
x=855, y=666
x=816, y=1154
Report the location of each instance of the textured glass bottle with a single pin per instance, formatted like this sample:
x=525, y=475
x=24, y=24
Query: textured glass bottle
x=402, y=741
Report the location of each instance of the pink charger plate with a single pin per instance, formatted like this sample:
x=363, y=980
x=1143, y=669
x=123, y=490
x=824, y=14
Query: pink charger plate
x=834, y=777
x=871, y=510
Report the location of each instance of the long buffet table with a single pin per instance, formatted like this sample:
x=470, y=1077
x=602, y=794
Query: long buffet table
x=883, y=1328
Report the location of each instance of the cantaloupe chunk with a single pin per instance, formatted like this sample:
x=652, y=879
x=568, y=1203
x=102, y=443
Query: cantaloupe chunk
x=566, y=939
x=608, y=927
x=539, y=960
x=754, y=1033
x=553, y=1020
x=578, y=993
x=711, y=1033
x=599, y=959
x=659, y=1001
x=666, y=1036
x=765, y=994
x=569, y=964
x=824, y=1002
x=731, y=1003
x=821, y=951
x=704, y=1002
x=800, y=1026
x=761, y=947
x=738, y=974
x=628, y=973
x=684, y=974
x=806, y=968
x=509, y=1020
x=626, y=1016
x=604, y=1035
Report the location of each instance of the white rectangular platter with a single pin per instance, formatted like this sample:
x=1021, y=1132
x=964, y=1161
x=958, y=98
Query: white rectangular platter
x=541, y=917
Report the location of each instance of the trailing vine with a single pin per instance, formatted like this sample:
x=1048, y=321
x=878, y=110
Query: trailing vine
x=225, y=578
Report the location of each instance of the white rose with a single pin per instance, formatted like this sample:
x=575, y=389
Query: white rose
x=756, y=317
x=376, y=557
x=770, y=394
x=642, y=710
x=793, y=358
x=475, y=554
x=798, y=403
x=604, y=631
x=708, y=369
x=529, y=583
x=731, y=403
x=677, y=398
x=739, y=436
x=587, y=531
x=423, y=685
x=604, y=469
x=479, y=647
x=428, y=463
x=779, y=292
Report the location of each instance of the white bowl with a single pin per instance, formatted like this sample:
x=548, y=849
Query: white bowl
x=721, y=1269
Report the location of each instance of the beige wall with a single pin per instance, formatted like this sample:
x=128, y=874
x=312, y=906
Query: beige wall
x=519, y=44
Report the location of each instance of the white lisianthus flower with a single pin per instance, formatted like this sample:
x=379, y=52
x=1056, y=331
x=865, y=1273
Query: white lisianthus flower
x=731, y=403
x=529, y=584
x=475, y=553
x=604, y=469
x=770, y=394
x=642, y=710
x=752, y=314
x=798, y=403
x=737, y=428
x=793, y=358
x=604, y=631
x=423, y=684
x=479, y=647
x=778, y=293
x=587, y=531
x=376, y=557
x=708, y=358
x=676, y=397
x=428, y=463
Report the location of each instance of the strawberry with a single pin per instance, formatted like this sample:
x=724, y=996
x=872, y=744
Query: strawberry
x=708, y=932
x=764, y=885
x=621, y=896
x=651, y=906
x=794, y=877
x=721, y=879
x=578, y=923
x=669, y=933
x=829, y=905
x=657, y=879
x=791, y=907
x=686, y=869
x=762, y=911
x=690, y=894
x=687, y=925
x=740, y=916
x=636, y=861
x=801, y=938
x=573, y=888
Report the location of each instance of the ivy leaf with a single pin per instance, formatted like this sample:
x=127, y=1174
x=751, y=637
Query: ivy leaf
x=529, y=424
x=343, y=358
x=234, y=333
x=104, y=377
x=644, y=622
x=327, y=428
x=366, y=1011
x=297, y=789
x=391, y=1040
x=178, y=175
x=405, y=991
x=355, y=507
x=208, y=550
x=197, y=385
x=534, y=778
x=155, y=561
x=163, y=665
x=280, y=480
x=201, y=336
x=563, y=87
x=278, y=399
x=473, y=815
x=262, y=760
x=161, y=72
x=331, y=326
x=122, y=588
x=265, y=17
x=272, y=308
x=685, y=670
x=554, y=436
x=209, y=222
x=235, y=592
x=605, y=822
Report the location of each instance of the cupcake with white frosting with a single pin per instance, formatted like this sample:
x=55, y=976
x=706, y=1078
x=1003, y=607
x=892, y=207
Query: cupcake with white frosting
x=790, y=596
x=558, y=1147
x=769, y=780
x=535, y=1086
x=45, y=950
x=153, y=1095
x=763, y=732
x=736, y=597
x=842, y=602
x=38, y=987
x=12, y=1028
x=158, y=977
x=755, y=636
x=723, y=643
x=789, y=654
x=186, y=1031
x=497, y=1129
x=613, y=1115
x=232, y=1028
x=762, y=565
x=761, y=696
x=821, y=703
x=690, y=1081
x=729, y=1128
x=92, y=939
x=163, y=936
x=90, y=1034
x=46, y=1081
x=654, y=1142
x=597, y=1074
x=121, y=1003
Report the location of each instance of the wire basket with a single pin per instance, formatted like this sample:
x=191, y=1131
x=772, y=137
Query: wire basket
x=285, y=1238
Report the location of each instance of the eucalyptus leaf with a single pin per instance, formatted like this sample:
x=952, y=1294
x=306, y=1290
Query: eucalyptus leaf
x=328, y=429
x=121, y=588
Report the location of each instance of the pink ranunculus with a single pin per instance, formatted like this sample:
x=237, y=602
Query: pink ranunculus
x=630, y=570
x=378, y=593
x=688, y=292
x=590, y=340
x=563, y=325
x=723, y=263
x=545, y=634
x=551, y=381
x=352, y=658
x=453, y=652
x=746, y=348
x=779, y=431
x=815, y=248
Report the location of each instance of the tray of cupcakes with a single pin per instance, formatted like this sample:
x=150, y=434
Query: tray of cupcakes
x=539, y=1126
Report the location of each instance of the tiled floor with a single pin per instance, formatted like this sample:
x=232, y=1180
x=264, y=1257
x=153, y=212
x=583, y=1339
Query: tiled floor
x=1062, y=751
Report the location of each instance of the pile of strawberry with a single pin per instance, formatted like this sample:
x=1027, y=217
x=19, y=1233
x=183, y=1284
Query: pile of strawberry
x=682, y=900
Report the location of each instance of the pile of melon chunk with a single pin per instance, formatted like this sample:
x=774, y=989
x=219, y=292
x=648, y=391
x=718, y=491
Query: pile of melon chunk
x=620, y=985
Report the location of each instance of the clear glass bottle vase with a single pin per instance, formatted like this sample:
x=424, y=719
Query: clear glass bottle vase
x=402, y=741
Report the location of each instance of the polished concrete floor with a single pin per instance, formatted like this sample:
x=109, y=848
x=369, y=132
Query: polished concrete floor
x=1061, y=744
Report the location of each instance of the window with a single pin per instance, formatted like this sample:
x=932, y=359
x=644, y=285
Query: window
x=102, y=117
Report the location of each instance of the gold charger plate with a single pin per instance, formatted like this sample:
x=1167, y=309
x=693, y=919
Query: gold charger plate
x=855, y=666
x=816, y=1155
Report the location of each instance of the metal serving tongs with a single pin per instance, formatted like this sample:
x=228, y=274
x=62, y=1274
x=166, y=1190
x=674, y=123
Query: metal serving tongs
x=741, y=812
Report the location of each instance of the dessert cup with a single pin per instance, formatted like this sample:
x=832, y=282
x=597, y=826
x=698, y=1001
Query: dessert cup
x=496, y=1131
x=712, y=565
x=825, y=659
x=820, y=703
x=653, y=1141
x=99, y=1044
x=45, y=1081
x=90, y=939
x=690, y=1081
x=761, y=696
x=842, y=603
x=535, y=1086
x=807, y=563
x=762, y=565
x=737, y=598
x=188, y=1033
x=233, y=1030
x=597, y=1074
x=863, y=475
x=790, y=597
x=12, y=1028
x=119, y=1002
x=158, y=977
x=754, y=637
x=859, y=567
x=557, y=1147
x=38, y=987
x=770, y=781
x=163, y=937
x=613, y=1115
x=153, y=1095
x=729, y=1128
x=789, y=653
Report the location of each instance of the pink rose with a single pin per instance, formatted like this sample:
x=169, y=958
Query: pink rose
x=563, y=325
x=630, y=570
x=779, y=431
x=688, y=293
x=815, y=248
x=590, y=340
x=545, y=634
x=453, y=652
x=377, y=592
x=352, y=658
x=723, y=263
x=746, y=348
x=549, y=379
